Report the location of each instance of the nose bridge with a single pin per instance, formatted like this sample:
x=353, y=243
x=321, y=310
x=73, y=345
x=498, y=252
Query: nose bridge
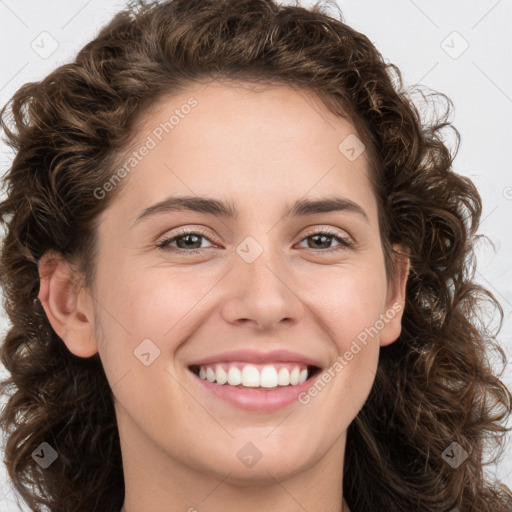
x=261, y=289
x=260, y=263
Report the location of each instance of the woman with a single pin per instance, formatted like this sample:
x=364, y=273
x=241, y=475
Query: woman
x=238, y=274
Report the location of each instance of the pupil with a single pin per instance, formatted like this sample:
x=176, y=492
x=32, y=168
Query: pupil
x=324, y=237
x=187, y=237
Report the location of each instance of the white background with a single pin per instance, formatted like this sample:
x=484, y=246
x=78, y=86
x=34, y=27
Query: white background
x=409, y=34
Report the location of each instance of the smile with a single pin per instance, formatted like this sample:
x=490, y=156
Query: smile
x=268, y=376
x=251, y=387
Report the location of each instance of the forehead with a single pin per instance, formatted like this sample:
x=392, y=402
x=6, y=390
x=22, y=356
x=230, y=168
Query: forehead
x=260, y=144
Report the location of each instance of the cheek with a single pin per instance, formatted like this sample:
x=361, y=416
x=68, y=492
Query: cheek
x=347, y=300
x=144, y=319
x=152, y=304
x=142, y=322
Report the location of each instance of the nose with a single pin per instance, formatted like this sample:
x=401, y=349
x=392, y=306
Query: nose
x=261, y=293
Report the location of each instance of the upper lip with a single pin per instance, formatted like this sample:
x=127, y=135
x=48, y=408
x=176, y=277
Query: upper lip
x=253, y=356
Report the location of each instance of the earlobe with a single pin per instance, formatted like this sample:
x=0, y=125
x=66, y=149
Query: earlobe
x=59, y=293
x=395, y=303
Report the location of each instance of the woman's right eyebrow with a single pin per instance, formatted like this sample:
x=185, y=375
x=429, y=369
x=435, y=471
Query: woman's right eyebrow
x=222, y=208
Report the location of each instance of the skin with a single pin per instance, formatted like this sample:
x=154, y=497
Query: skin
x=179, y=443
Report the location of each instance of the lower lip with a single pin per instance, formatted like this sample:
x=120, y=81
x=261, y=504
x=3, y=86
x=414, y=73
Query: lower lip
x=260, y=400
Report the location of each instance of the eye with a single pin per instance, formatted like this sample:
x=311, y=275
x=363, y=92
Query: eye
x=189, y=241
x=187, y=238
x=325, y=236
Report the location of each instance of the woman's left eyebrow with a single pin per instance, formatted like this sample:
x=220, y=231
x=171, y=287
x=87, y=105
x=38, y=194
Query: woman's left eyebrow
x=221, y=208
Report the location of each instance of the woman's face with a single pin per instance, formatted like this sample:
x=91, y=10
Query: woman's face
x=263, y=281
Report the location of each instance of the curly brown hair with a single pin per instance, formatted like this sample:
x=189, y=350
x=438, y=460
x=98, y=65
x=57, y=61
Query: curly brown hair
x=434, y=385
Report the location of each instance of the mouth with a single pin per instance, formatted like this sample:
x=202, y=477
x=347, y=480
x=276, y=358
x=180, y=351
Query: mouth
x=264, y=388
x=261, y=382
x=265, y=377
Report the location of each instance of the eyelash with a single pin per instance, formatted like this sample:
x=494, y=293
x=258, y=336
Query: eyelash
x=164, y=244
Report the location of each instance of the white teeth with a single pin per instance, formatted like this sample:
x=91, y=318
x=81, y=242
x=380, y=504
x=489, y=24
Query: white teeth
x=251, y=377
x=284, y=377
x=294, y=376
x=220, y=375
x=269, y=377
x=234, y=376
x=210, y=375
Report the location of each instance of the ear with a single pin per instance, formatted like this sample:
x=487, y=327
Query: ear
x=67, y=305
x=395, y=301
